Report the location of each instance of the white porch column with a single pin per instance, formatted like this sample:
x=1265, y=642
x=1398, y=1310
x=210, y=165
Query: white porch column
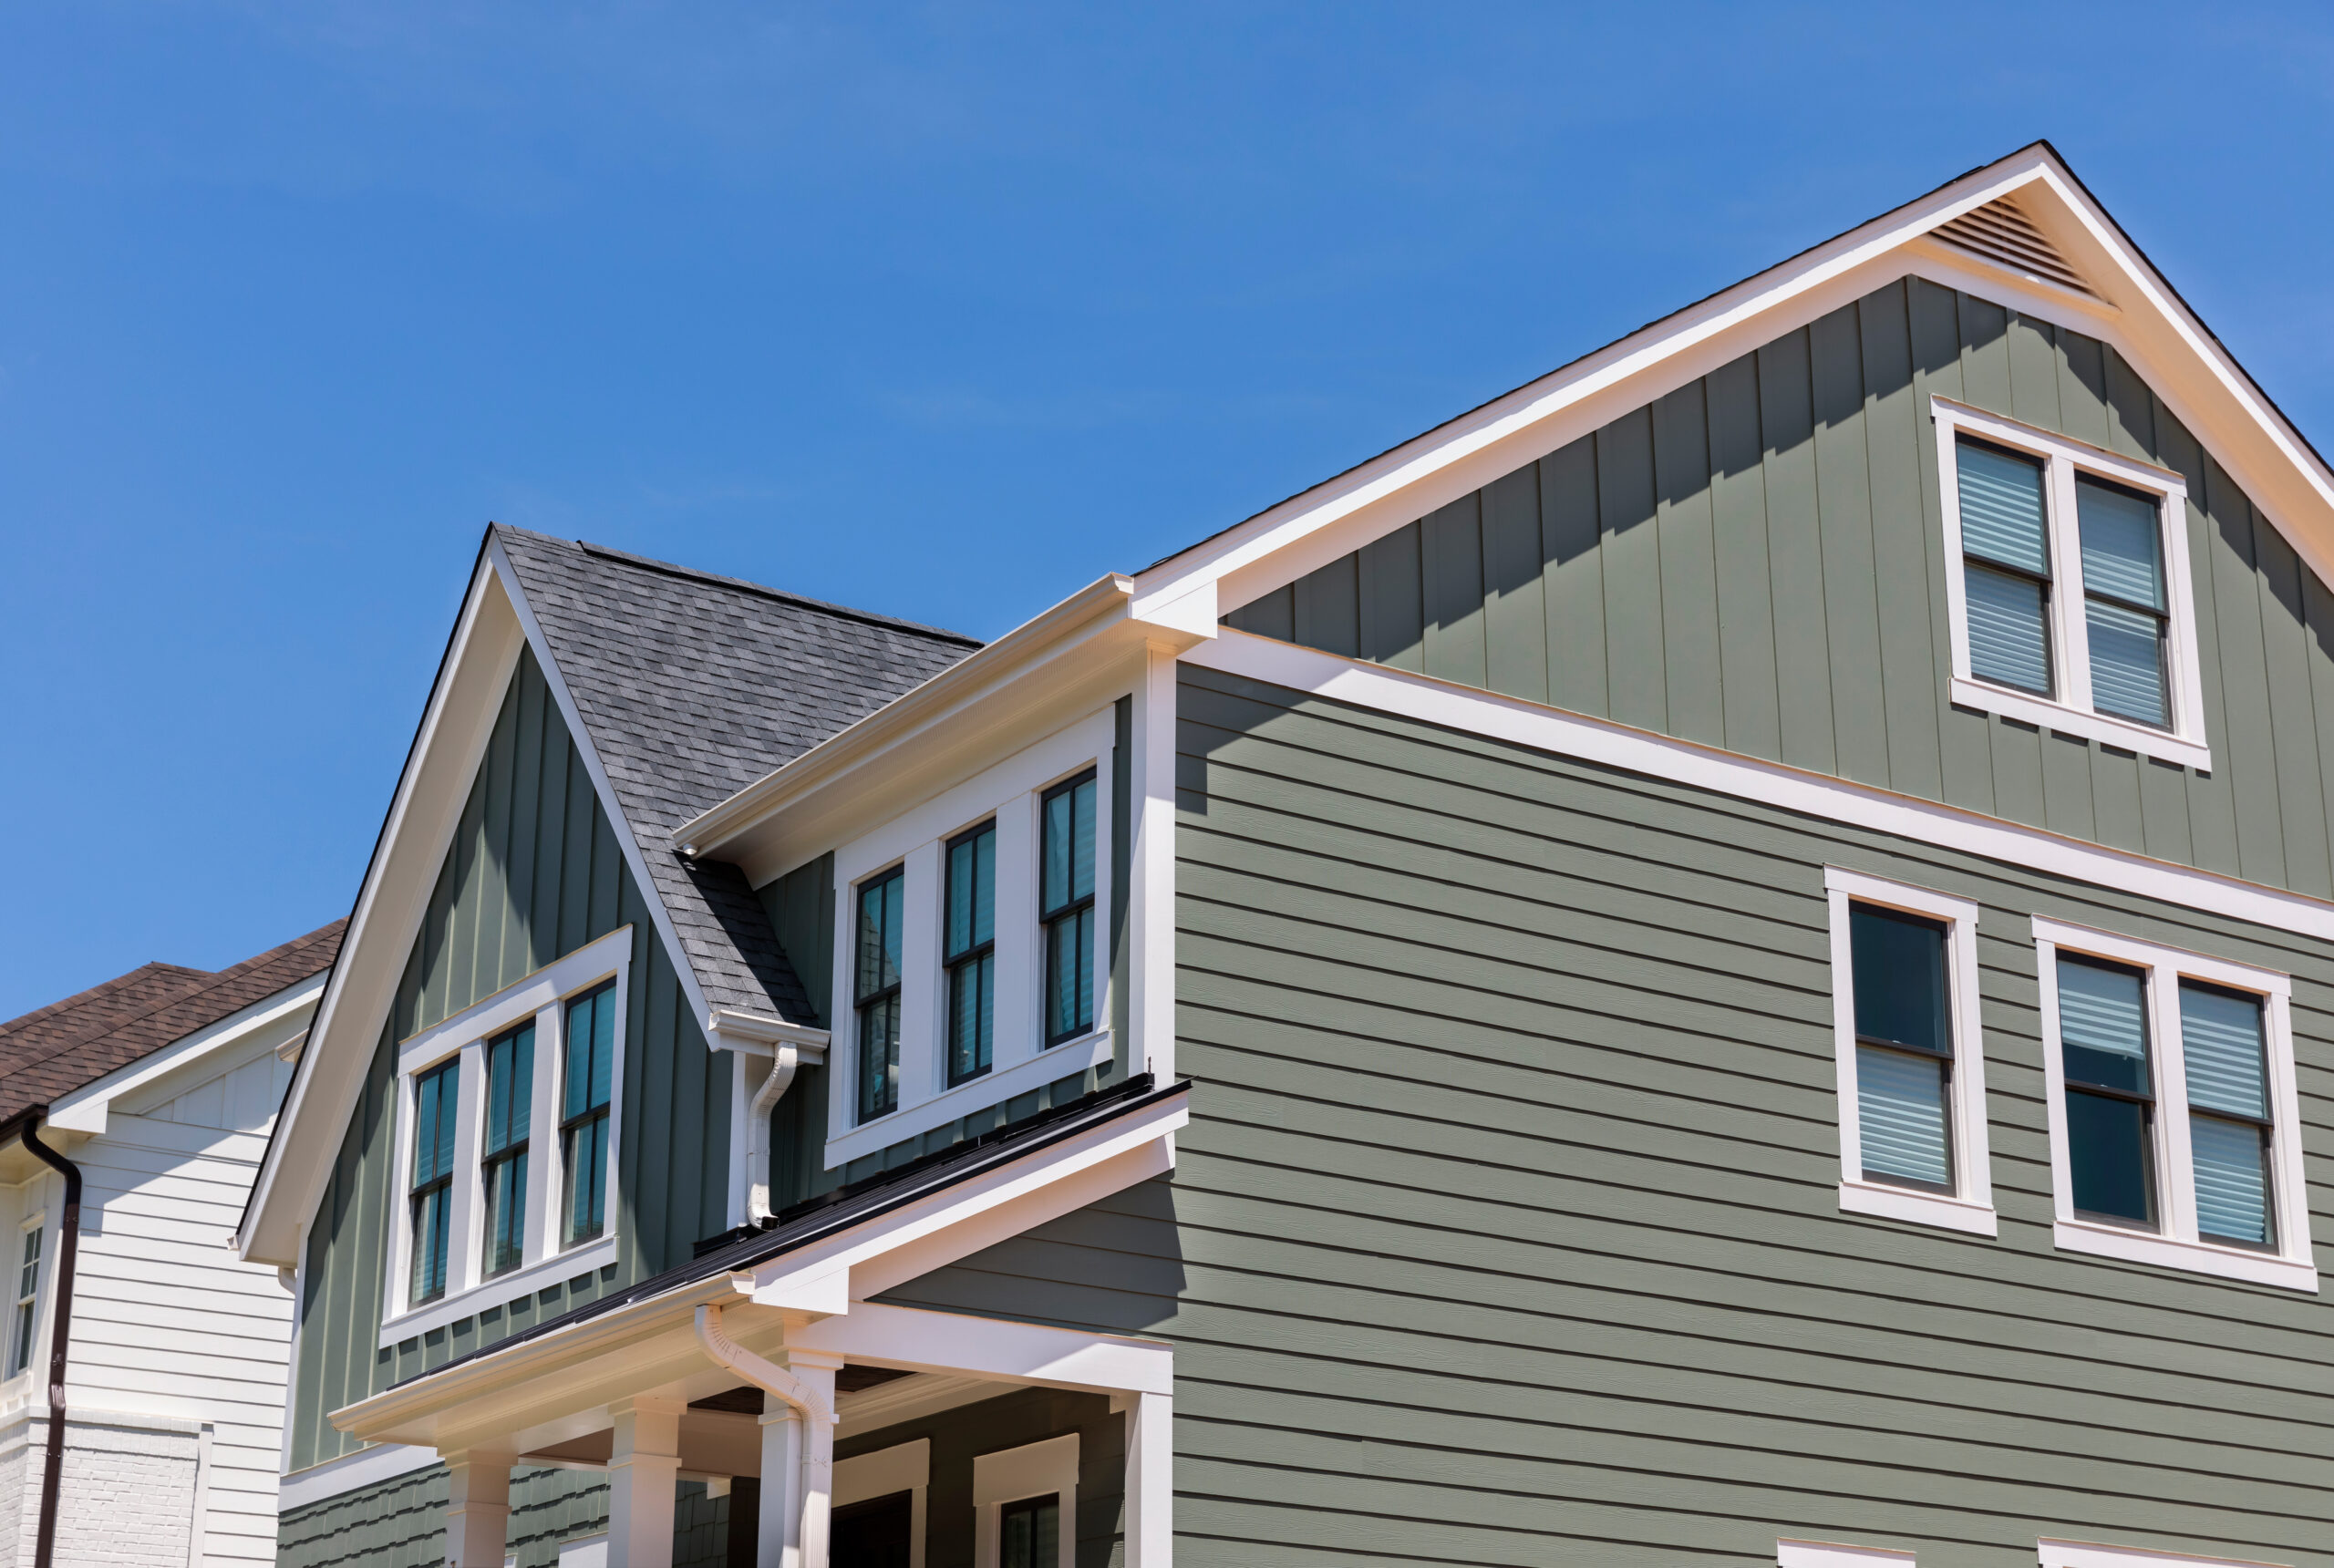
x=477, y=1507
x=781, y=1484
x=642, y=1469
x=1151, y=1481
x=815, y=1369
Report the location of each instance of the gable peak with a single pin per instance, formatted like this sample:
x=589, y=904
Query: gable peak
x=2002, y=233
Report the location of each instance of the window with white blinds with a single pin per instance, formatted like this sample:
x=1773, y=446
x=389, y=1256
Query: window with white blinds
x=1911, y=1059
x=2069, y=601
x=2173, y=1127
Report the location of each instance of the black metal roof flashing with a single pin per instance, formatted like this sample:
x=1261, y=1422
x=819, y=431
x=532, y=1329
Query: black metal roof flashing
x=803, y=1223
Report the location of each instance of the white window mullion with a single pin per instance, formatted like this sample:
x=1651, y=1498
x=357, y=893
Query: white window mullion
x=2068, y=629
x=466, y=1231
x=2177, y=1180
x=923, y=1063
x=543, y=1137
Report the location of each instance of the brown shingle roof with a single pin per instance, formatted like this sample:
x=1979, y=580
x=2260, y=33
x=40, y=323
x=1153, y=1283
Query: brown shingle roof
x=49, y=1053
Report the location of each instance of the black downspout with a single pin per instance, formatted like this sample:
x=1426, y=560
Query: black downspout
x=60, y=1323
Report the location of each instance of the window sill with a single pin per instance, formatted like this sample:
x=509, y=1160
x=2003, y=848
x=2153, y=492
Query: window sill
x=2193, y=1257
x=1887, y=1202
x=502, y=1289
x=998, y=1084
x=2099, y=726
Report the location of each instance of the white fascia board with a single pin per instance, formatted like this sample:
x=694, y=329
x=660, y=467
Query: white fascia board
x=456, y=726
x=1819, y=795
x=913, y=1339
x=84, y=1110
x=2138, y=315
x=367, y=1467
x=634, y=861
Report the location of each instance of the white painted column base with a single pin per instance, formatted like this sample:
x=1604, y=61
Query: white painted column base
x=478, y=1508
x=1151, y=1481
x=774, y=1545
x=643, y=1468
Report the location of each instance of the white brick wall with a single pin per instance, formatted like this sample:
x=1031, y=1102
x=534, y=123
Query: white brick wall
x=128, y=1498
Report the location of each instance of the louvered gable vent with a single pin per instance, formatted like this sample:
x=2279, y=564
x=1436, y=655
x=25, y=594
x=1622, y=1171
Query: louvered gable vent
x=2007, y=237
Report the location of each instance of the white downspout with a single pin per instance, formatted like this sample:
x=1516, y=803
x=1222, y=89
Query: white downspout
x=810, y=1488
x=783, y=1061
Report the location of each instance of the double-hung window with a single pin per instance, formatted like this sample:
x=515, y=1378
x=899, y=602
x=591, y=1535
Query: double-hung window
x=584, y=1121
x=20, y=1343
x=1909, y=1057
x=1066, y=905
x=883, y=913
x=2070, y=604
x=969, y=949
x=436, y=1097
x=2173, y=1121
x=502, y=1174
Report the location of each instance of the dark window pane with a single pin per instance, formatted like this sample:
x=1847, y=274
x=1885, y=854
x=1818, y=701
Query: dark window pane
x=2108, y=1155
x=2001, y=509
x=2102, y=1024
x=1029, y=1533
x=1901, y=1116
x=879, y=1057
x=2010, y=638
x=874, y=1534
x=1899, y=961
x=2122, y=545
x=2220, y=1034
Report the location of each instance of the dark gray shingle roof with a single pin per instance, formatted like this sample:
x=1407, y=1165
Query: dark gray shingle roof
x=692, y=686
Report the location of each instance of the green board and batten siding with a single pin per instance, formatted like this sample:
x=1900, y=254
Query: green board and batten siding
x=1505, y=1230
x=1756, y=562
x=534, y=872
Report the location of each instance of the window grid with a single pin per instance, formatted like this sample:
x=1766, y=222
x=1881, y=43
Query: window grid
x=20, y=1350
x=1066, y=905
x=590, y=1039
x=437, y=1095
x=877, y=991
x=502, y=1170
x=968, y=952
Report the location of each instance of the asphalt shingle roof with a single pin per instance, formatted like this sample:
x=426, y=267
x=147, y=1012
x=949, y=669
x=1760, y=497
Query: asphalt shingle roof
x=49, y=1053
x=691, y=687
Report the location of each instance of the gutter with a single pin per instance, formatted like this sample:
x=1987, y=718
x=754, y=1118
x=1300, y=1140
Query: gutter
x=60, y=1331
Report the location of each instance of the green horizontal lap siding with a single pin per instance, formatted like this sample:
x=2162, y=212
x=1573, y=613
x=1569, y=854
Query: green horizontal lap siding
x=1756, y=562
x=534, y=872
x=1506, y=1230
x=802, y=911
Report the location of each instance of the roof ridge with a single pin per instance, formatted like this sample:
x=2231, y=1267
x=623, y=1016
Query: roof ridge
x=673, y=569
x=216, y=978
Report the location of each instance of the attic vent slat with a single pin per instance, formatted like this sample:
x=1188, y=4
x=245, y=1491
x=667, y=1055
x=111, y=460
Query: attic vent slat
x=2007, y=237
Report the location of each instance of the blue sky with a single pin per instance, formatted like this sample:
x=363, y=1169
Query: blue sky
x=943, y=311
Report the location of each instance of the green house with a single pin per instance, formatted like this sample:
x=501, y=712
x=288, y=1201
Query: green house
x=1727, y=959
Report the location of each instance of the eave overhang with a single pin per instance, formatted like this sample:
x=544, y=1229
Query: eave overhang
x=1077, y=651
x=2130, y=306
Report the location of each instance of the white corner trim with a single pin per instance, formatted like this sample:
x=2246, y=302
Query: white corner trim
x=2053, y=1553
x=1455, y=706
x=1970, y=1206
x=2178, y=1244
x=369, y=1466
x=2073, y=714
x=1831, y=1554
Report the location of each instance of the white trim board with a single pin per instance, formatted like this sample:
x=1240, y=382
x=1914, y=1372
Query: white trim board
x=1484, y=713
x=369, y=1466
x=2053, y=1553
x=1831, y=1554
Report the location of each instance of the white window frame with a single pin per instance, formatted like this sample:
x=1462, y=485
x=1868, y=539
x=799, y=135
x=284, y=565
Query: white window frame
x=2050, y=1553
x=903, y=1466
x=1833, y=1554
x=2177, y=1245
x=2071, y=711
x=1048, y=1469
x=1970, y=1206
x=543, y=996
x=35, y=1221
x=1020, y=1059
